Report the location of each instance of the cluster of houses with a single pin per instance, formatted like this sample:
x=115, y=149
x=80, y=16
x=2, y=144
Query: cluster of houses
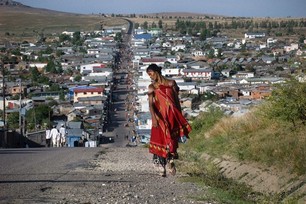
x=238, y=81
x=196, y=74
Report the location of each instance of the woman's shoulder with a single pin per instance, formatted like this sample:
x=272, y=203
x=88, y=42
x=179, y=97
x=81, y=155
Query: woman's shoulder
x=151, y=88
x=171, y=82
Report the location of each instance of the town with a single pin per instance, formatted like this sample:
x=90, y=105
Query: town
x=70, y=77
x=76, y=103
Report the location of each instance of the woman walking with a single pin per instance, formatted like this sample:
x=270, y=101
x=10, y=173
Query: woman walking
x=168, y=123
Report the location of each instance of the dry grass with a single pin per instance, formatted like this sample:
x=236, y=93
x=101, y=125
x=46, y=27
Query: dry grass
x=256, y=138
x=23, y=23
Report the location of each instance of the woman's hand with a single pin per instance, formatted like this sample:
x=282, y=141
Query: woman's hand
x=154, y=123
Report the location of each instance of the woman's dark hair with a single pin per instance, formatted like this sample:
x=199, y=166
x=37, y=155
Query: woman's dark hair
x=154, y=68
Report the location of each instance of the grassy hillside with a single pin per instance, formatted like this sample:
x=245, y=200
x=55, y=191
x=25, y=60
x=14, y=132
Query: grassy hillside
x=20, y=22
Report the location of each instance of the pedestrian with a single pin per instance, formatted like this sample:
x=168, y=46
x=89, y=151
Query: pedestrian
x=54, y=136
x=48, y=137
x=62, y=132
x=168, y=123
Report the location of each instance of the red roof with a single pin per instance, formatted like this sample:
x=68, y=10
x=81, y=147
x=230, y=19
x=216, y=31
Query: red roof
x=88, y=90
x=160, y=59
x=100, y=66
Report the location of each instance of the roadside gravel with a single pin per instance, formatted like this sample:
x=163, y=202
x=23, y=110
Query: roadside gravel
x=133, y=179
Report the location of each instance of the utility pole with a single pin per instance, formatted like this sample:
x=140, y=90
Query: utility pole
x=20, y=108
x=4, y=111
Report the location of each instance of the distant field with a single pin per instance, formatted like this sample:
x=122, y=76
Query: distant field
x=25, y=23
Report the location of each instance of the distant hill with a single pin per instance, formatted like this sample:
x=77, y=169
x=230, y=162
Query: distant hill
x=14, y=6
x=10, y=3
x=18, y=21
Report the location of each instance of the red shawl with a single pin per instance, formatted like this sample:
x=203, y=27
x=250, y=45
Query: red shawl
x=171, y=123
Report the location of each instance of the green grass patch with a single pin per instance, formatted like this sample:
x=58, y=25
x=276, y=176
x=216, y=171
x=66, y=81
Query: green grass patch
x=217, y=188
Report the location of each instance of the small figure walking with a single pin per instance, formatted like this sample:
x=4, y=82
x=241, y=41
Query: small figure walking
x=48, y=137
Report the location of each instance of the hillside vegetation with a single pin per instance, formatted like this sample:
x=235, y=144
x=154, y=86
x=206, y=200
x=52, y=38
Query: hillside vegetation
x=272, y=135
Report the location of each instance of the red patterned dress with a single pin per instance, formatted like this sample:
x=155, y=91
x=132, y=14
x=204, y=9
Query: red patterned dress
x=171, y=123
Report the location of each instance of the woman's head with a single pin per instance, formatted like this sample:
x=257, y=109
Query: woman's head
x=154, y=68
x=154, y=71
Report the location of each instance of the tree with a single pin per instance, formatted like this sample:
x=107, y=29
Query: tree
x=34, y=74
x=64, y=37
x=77, y=78
x=118, y=37
x=13, y=120
x=145, y=25
x=153, y=25
x=160, y=24
x=76, y=39
x=50, y=67
x=288, y=102
x=37, y=115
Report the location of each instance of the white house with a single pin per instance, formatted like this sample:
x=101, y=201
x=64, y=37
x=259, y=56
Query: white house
x=293, y=46
x=172, y=59
x=171, y=71
x=186, y=86
x=178, y=47
x=38, y=65
x=244, y=75
x=89, y=68
x=254, y=35
x=197, y=53
x=205, y=73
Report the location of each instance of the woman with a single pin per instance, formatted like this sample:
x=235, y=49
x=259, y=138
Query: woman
x=168, y=123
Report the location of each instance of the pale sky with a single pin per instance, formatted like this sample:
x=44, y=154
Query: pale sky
x=237, y=8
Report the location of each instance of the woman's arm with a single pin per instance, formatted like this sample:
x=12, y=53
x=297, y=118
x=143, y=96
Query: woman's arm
x=151, y=106
x=176, y=94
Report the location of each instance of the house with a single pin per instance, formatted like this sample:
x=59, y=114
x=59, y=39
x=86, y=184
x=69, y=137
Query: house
x=172, y=59
x=197, y=53
x=171, y=71
x=250, y=35
x=89, y=68
x=186, y=86
x=155, y=31
x=228, y=72
x=243, y=74
x=154, y=60
x=198, y=74
x=144, y=36
x=261, y=92
x=293, y=46
x=186, y=102
x=178, y=47
x=85, y=92
x=94, y=100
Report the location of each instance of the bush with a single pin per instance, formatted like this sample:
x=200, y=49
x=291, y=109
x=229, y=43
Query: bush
x=288, y=102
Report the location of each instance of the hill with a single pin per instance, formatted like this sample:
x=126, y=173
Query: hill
x=18, y=21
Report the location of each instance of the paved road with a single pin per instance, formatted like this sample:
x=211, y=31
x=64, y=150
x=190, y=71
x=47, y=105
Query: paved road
x=26, y=172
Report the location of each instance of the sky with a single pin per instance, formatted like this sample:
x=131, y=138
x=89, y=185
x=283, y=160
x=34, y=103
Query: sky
x=237, y=8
